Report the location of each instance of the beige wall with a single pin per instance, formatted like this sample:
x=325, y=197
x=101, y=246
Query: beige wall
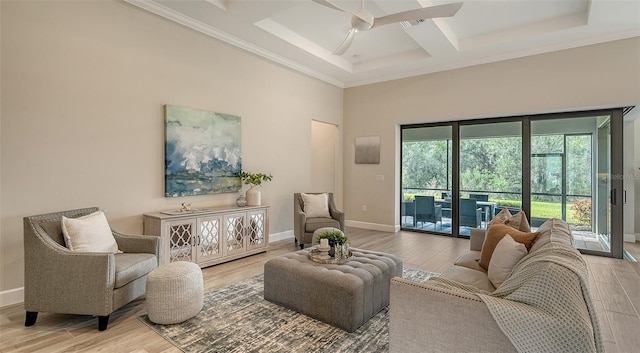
x=84, y=84
x=602, y=75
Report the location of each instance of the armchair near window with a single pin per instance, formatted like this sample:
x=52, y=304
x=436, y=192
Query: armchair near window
x=60, y=280
x=307, y=220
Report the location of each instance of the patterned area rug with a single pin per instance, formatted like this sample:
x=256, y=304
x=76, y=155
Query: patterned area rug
x=237, y=319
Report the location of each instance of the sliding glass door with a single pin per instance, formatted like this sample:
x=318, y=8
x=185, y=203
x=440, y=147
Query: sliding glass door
x=571, y=169
x=490, y=172
x=457, y=176
x=426, y=179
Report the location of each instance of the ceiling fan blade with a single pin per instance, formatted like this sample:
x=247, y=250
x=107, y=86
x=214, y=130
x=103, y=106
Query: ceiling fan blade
x=446, y=10
x=346, y=43
x=330, y=5
x=363, y=14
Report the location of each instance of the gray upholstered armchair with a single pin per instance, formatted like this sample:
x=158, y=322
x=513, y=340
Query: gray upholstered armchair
x=62, y=281
x=304, y=226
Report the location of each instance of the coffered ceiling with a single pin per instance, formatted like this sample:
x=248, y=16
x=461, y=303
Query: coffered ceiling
x=303, y=34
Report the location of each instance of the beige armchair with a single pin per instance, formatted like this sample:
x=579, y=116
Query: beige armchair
x=62, y=281
x=304, y=226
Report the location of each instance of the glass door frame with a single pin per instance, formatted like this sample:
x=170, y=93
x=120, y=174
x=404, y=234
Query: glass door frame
x=616, y=175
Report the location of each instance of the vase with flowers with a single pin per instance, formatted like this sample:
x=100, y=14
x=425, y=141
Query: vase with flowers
x=255, y=180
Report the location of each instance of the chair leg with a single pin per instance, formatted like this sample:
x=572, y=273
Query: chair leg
x=30, y=318
x=103, y=321
x=301, y=246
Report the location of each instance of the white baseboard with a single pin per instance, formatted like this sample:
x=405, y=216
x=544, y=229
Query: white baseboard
x=373, y=226
x=281, y=236
x=631, y=238
x=11, y=296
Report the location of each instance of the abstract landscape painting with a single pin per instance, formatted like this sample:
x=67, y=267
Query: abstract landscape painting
x=202, y=152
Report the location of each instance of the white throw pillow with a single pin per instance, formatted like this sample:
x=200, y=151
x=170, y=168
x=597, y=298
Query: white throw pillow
x=90, y=233
x=505, y=256
x=316, y=205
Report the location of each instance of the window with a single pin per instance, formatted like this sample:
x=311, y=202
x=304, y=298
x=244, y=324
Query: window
x=457, y=176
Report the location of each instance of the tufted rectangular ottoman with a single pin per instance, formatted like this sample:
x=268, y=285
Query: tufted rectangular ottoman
x=345, y=296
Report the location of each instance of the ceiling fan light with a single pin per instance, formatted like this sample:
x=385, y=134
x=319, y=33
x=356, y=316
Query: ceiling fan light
x=408, y=24
x=360, y=25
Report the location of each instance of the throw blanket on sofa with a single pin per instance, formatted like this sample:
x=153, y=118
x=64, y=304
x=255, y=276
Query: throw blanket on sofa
x=548, y=306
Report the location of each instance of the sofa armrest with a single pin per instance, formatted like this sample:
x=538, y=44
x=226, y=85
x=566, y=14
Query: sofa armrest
x=426, y=318
x=338, y=216
x=82, y=282
x=137, y=243
x=299, y=220
x=477, y=238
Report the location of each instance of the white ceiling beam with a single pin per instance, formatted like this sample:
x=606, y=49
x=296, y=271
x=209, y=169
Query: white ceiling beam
x=524, y=32
x=219, y=3
x=434, y=36
x=400, y=59
x=614, y=12
x=303, y=43
x=430, y=36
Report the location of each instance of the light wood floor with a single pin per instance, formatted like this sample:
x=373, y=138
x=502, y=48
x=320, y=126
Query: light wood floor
x=615, y=287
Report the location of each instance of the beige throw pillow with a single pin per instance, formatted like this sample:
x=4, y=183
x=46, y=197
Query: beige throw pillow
x=495, y=233
x=502, y=216
x=316, y=205
x=90, y=233
x=517, y=221
x=506, y=255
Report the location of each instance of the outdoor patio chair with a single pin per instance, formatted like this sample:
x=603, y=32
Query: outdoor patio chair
x=470, y=214
x=408, y=209
x=428, y=211
x=484, y=198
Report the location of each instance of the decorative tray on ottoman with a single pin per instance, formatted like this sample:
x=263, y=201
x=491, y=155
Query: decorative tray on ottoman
x=323, y=258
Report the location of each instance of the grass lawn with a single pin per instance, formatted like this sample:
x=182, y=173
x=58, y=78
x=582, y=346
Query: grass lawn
x=547, y=210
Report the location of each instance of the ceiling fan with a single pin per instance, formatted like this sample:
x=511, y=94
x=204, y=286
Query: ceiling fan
x=363, y=20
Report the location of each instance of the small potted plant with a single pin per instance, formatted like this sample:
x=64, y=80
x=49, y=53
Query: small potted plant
x=255, y=180
x=335, y=237
x=337, y=241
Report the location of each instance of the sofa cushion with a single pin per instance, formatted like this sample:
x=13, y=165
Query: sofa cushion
x=131, y=266
x=90, y=233
x=470, y=260
x=316, y=205
x=506, y=255
x=314, y=224
x=468, y=276
x=553, y=230
x=495, y=233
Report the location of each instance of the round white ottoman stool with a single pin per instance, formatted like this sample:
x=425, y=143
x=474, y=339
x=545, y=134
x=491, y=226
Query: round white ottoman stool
x=175, y=292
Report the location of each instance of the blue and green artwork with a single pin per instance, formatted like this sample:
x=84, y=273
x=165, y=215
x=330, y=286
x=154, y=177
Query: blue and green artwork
x=202, y=152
